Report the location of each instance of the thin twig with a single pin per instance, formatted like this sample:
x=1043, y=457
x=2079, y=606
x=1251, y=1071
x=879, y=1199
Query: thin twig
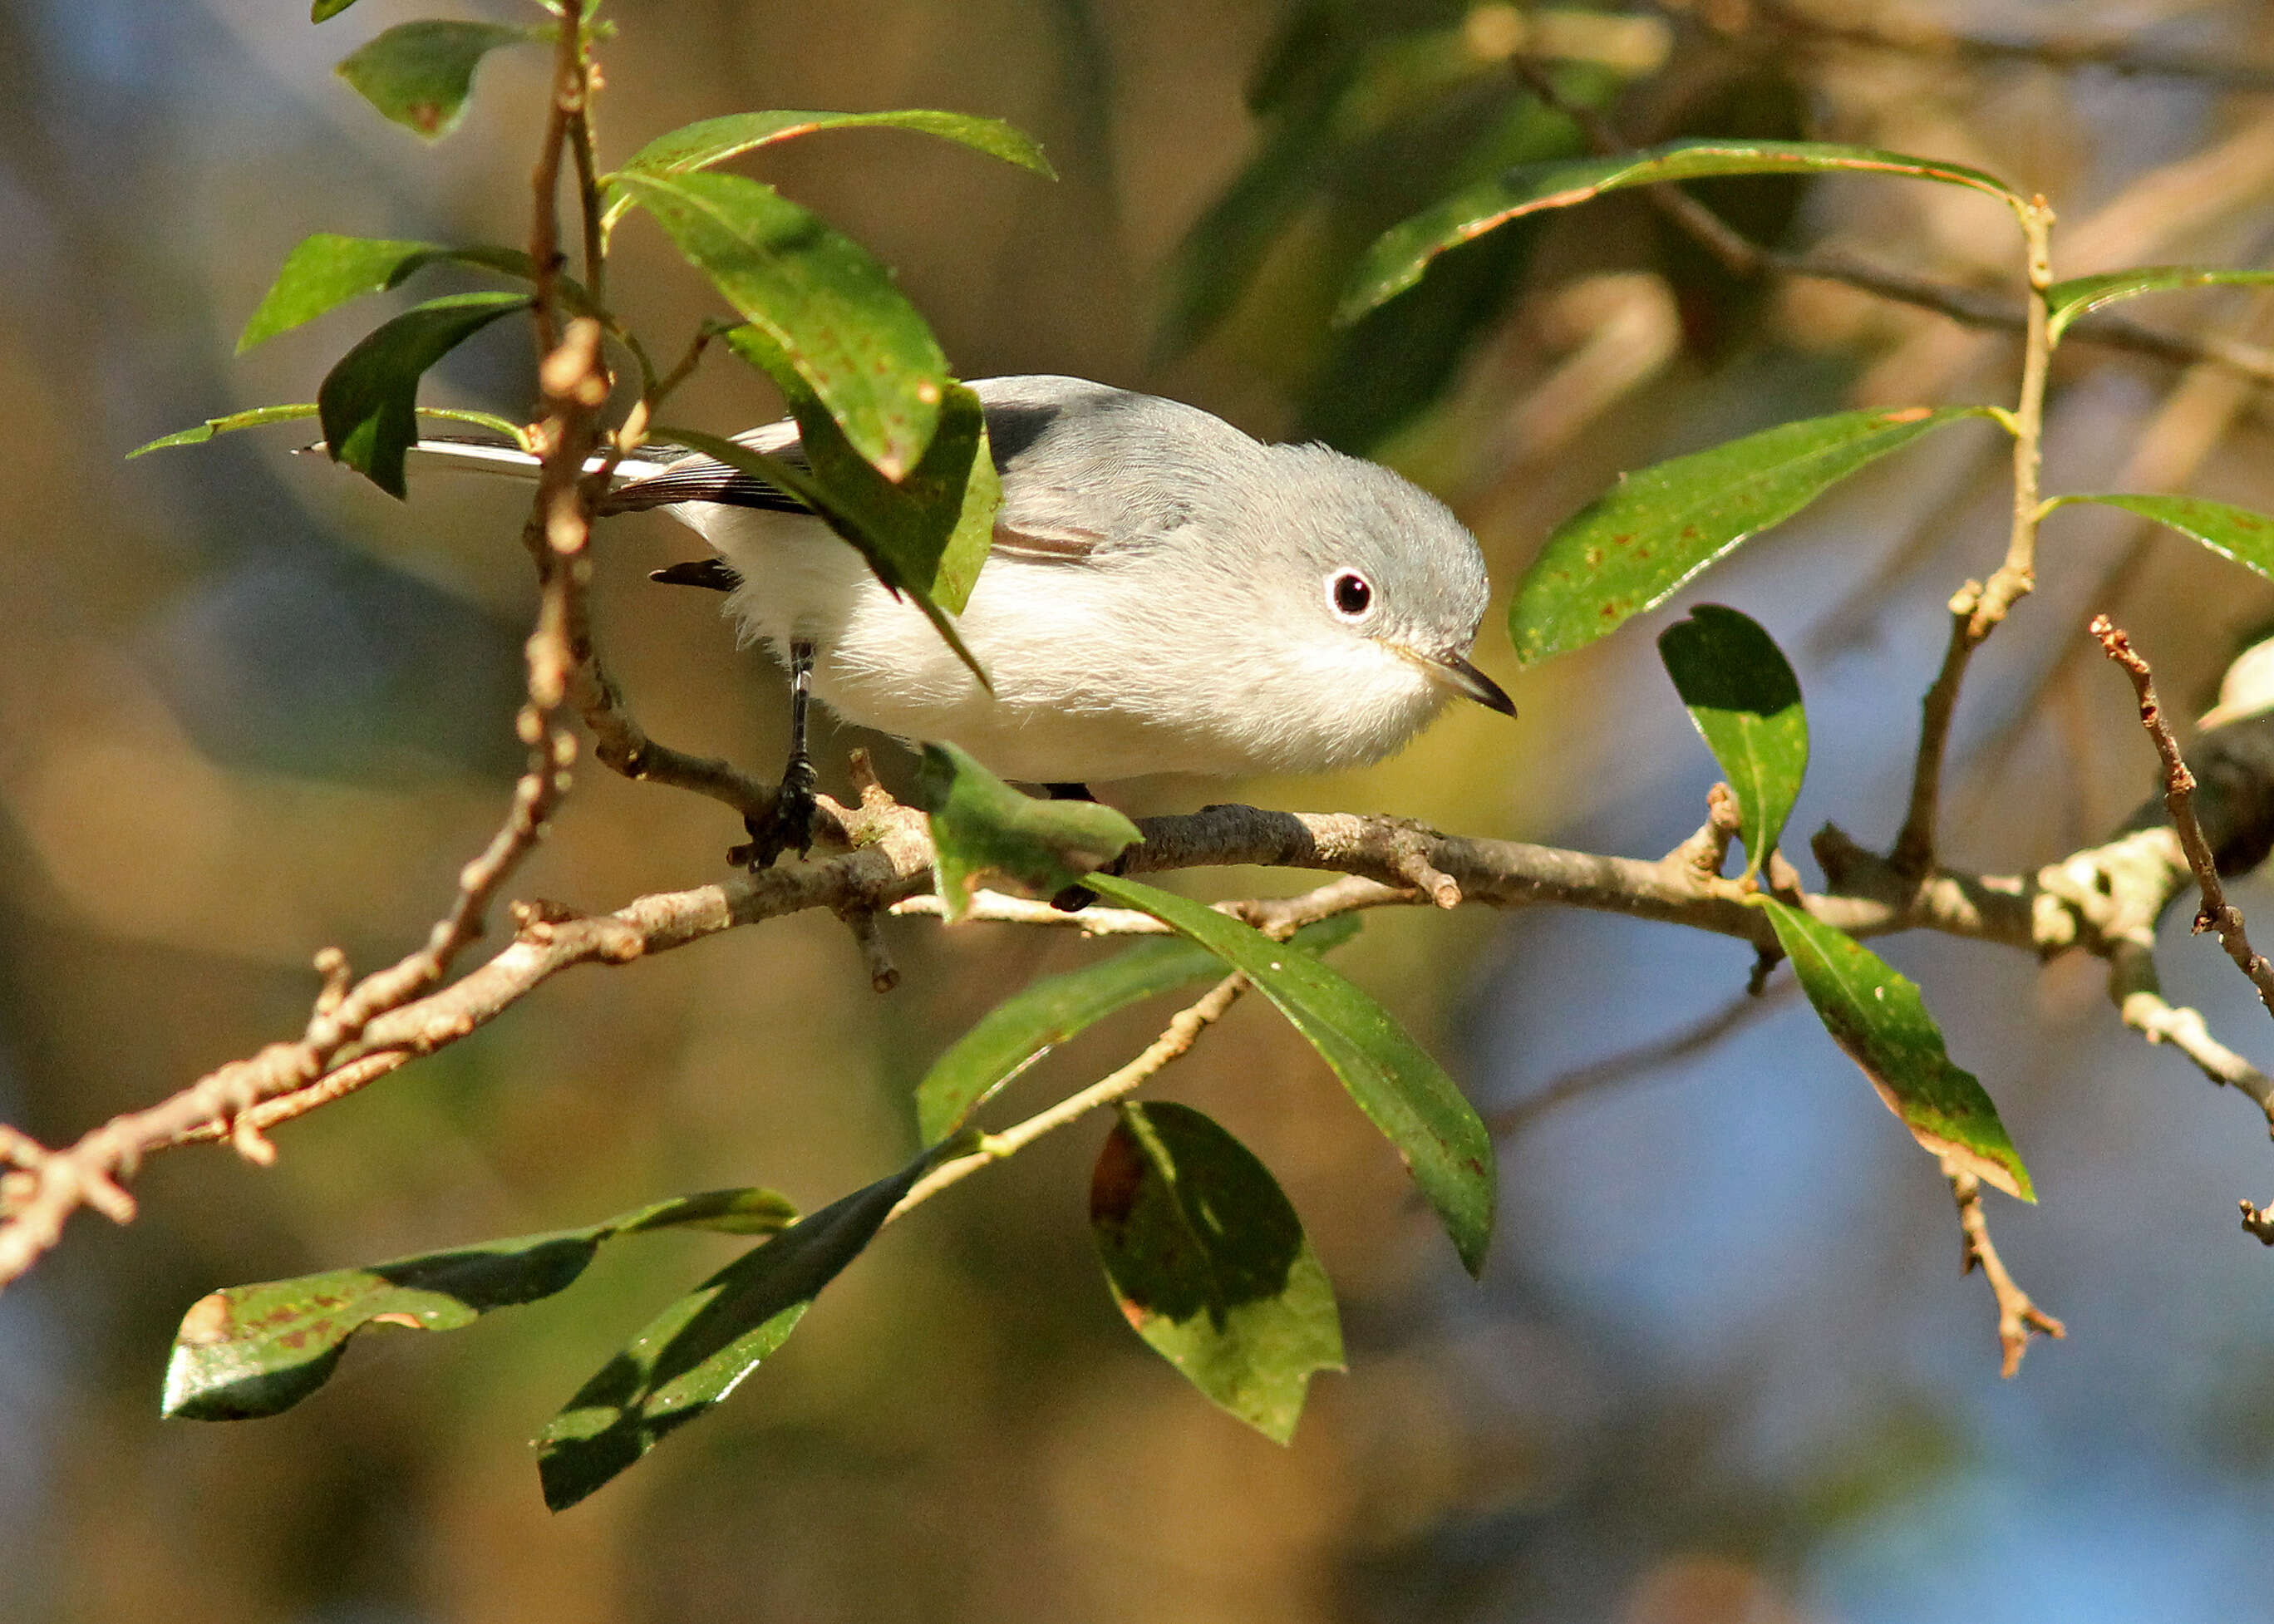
x=2017, y=574
x=2216, y=913
x=1178, y=1037
x=2018, y=1318
x=1914, y=850
x=1644, y=1058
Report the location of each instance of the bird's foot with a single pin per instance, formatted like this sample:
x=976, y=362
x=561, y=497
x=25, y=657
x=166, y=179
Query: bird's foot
x=789, y=824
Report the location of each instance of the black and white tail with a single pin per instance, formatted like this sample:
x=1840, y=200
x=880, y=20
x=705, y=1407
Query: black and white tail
x=659, y=477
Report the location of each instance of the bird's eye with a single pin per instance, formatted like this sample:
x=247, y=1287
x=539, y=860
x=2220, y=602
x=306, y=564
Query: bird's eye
x=1351, y=593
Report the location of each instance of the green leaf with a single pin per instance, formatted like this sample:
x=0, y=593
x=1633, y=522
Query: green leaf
x=1031, y=1022
x=1745, y=702
x=714, y=141
x=697, y=1351
x=260, y=415
x=1878, y=1017
x=1400, y=1088
x=419, y=74
x=254, y=1350
x=328, y=270
x=2231, y=532
x=1209, y=1263
x=833, y=311
x=369, y=400
x=982, y=825
x=2065, y=301
x=324, y=10
x=1400, y=255
x=1634, y=546
x=882, y=553
x=934, y=527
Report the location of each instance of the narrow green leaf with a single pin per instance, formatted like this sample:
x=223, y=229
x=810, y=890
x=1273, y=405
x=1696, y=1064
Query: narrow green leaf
x=1635, y=545
x=236, y=420
x=1400, y=1088
x=2231, y=532
x=419, y=74
x=328, y=270
x=933, y=527
x=369, y=400
x=1031, y=1022
x=2065, y=301
x=714, y=141
x=324, y=10
x=1877, y=1016
x=253, y=1350
x=1745, y=703
x=882, y=555
x=260, y=415
x=981, y=825
x=697, y=1351
x=1209, y=1263
x=1400, y=255
x=858, y=344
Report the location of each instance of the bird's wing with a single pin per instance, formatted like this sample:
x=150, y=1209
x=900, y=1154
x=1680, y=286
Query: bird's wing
x=1086, y=468
x=694, y=477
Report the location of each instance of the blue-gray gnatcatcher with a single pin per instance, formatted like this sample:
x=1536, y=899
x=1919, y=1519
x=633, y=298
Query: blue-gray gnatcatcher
x=1164, y=595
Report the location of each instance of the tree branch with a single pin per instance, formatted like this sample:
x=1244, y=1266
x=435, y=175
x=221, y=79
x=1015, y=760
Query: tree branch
x=2216, y=913
x=2018, y=1318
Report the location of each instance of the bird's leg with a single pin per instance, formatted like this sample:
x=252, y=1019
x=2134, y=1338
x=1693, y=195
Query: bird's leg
x=791, y=822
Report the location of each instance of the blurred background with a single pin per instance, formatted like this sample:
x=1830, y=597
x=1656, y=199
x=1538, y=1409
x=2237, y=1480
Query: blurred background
x=1722, y=1365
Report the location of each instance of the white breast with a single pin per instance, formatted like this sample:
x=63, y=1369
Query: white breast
x=1102, y=669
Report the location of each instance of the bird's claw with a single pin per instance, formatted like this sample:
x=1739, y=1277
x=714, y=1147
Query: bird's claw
x=789, y=824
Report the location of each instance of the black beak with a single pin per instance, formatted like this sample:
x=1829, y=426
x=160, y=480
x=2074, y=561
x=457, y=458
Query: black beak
x=1455, y=672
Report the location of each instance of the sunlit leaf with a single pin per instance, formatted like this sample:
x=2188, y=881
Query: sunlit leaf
x=1032, y=1021
x=697, y=1351
x=260, y=415
x=324, y=10
x=253, y=1350
x=981, y=825
x=2231, y=532
x=1745, y=702
x=932, y=528
x=368, y=402
x=1877, y=1016
x=1397, y=259
x=820, y=297
x=1209, y=1263
x=2065, y=301
x=1400, y=1088
x=328, y=270
x=714, y=141
x=419, y=74
x=1635, y=545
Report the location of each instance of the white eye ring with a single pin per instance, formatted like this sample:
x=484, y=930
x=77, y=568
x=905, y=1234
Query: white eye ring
x=1349, y=594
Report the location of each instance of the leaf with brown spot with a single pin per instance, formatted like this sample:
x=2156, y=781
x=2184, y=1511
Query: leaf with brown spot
x=1691, y=512
x=2231, y=532
x=1208, y=1263
x=419, y=74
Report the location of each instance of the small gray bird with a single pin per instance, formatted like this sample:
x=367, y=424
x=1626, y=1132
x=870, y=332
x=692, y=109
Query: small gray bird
x=1164, y=595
